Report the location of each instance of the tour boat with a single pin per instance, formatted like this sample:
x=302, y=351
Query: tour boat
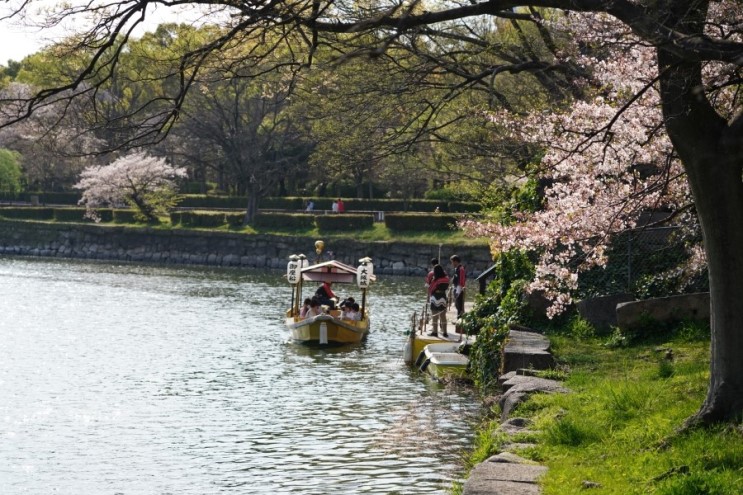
x=328, y=328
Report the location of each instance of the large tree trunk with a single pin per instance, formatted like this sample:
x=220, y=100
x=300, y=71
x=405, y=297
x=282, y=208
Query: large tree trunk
x=710, y=149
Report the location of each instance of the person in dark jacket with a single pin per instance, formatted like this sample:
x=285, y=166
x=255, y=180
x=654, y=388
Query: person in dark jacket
x=437, y=297
x=325, y=295
x=458, y=280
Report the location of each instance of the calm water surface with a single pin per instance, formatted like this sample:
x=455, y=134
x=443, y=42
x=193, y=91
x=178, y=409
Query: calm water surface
x=125, y=379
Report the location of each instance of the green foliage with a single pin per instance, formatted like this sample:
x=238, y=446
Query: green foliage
x=572, y=432
x=504, y=202
x=10, y=171
x=488, y=442
x=209, y=201
x=234, y=220
x=59, y=198
x=70, y=214
x=126, y=216
x=80, y=215
x=175, y=218
x=502, y=304
x=618, y=425
x=454, y=193
x=345, y=221
x=284, y=220
x=293, y=203
x=650, y=330
x=420, y=221
x=580, y=329
x=325, y=203
x=27, y=213
x=666, y=368
x=196, y=218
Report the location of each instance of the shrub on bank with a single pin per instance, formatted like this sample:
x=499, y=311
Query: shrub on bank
x=345, y=222
x=208, y=201
x=296, y=203
x=196, y=218
x=27, y=213
x=420, y=221
x=70, y=215
x=284, y=220
x=125, y=216
x=234, y=219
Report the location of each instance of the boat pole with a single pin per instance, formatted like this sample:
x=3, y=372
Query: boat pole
x=302, y=264
x=363, y=302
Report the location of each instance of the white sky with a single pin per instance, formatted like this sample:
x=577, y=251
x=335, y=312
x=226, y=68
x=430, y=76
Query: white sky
x=18, y=41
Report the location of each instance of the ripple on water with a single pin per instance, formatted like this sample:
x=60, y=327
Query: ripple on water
x=154, y=380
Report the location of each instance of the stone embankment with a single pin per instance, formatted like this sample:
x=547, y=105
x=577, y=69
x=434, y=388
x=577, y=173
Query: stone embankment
x=225, y=249
x=507, y=473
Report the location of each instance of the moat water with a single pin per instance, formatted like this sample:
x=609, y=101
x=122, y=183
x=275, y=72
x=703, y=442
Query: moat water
x=129, y=379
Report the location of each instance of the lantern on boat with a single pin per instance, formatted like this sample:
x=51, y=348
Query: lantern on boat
x=292, y=269
x=303, y=261
x=364, y=272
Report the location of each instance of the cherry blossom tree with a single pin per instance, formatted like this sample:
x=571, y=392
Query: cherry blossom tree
x=143, y=182
x=53, y=144
x=596, y=156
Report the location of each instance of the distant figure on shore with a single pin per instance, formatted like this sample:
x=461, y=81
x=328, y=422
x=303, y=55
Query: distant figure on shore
x=310, y=205
x=334, y=207
x=341, y=206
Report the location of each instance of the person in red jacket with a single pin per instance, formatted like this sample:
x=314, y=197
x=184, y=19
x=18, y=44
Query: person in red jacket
x=458, y=280
x=325, y=294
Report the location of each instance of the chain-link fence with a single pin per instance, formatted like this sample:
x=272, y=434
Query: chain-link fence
x=645, y=262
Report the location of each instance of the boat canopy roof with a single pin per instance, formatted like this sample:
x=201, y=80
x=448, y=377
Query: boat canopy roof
x=331, y=271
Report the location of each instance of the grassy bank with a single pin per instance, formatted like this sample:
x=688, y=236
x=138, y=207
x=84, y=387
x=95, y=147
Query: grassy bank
x=618, y=431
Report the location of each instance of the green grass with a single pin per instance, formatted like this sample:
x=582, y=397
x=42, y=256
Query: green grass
x=620, y=425
x=378, y=232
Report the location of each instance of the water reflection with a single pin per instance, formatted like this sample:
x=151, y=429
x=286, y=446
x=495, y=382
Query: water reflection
x=142, y=379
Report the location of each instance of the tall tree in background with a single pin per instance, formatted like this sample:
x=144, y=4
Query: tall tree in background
x=689, y=36
x=10, y=172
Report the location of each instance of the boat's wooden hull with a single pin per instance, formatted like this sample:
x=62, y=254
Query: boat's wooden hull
x=327, y=330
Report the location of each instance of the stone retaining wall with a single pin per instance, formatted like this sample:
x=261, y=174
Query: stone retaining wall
x=183, y=246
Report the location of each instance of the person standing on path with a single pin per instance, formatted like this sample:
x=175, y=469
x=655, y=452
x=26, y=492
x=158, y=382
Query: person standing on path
x=459, y=280
x=437, y=298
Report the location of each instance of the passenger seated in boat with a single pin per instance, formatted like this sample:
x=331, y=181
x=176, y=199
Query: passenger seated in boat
x=437, y=298
x=305, y=308
x=325, y=295
x=352, y=312
x=314, y=309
